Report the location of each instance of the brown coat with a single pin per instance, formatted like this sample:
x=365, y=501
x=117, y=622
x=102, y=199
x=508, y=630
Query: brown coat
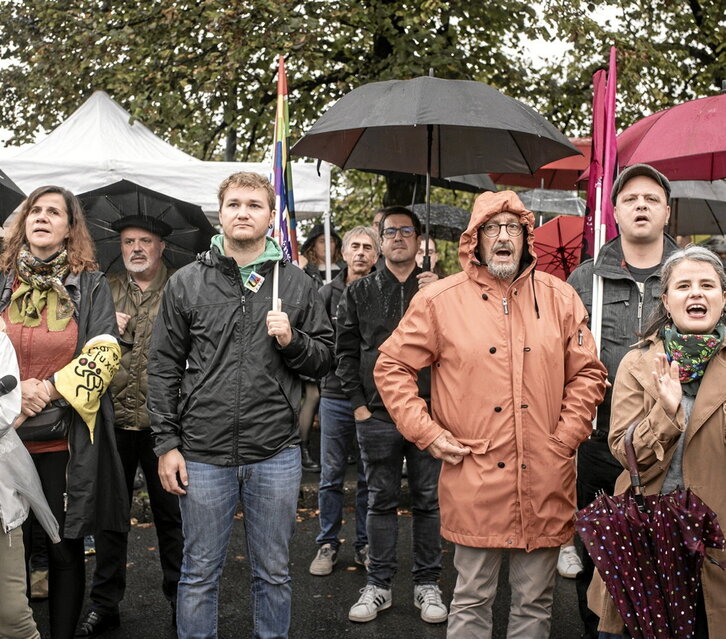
x=654, y=440
x=519, y=389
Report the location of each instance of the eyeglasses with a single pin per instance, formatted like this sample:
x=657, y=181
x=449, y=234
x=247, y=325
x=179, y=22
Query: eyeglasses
x=390, y=232
x=514, y=229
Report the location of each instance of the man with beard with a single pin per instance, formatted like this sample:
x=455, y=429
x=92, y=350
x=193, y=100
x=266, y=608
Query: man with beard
x=515, y=380
x=136, y=296
x=370, y=309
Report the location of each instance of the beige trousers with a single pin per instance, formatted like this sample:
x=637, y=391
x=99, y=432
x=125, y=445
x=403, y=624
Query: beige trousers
x=16, y=617
x=531, y=577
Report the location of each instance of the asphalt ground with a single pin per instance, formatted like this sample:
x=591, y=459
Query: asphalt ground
x=320, y=604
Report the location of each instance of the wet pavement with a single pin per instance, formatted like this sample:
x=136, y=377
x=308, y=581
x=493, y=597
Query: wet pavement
x=320, y=604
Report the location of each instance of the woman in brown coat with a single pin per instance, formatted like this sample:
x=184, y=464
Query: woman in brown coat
x=674, y=387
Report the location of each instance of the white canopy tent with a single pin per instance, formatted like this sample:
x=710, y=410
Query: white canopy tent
x=99, y=145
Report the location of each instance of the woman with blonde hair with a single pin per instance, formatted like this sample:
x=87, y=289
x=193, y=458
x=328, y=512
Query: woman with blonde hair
x=673, y=386
x=60, y=318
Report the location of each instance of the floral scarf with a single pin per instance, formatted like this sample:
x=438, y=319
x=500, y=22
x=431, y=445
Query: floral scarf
x=41, y=285
x=693, y=353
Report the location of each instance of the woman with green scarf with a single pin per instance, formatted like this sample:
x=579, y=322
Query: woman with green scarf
x=61, y=321
x=673, y=385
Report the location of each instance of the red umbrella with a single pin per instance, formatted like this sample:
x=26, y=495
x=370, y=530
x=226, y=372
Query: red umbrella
x=561, y=174
x=685, y=142
x=558, y=244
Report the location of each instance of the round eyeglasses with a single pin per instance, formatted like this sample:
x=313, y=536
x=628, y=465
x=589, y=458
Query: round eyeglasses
x=390, y=232
x=491, y=229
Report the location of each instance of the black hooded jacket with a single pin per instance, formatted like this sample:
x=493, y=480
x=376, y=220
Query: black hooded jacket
x=220, y=388
x=368, y=312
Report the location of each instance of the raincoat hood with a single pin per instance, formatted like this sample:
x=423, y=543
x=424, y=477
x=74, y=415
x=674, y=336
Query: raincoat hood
x=486, y=206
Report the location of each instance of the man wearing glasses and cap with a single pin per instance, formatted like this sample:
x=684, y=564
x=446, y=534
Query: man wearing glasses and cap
x=515, y=380
x=369, y=311
x=136, y=296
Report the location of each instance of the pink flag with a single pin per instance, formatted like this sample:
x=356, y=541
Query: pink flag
x=604, y=155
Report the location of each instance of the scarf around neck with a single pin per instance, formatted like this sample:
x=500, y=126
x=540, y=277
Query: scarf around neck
x=41, y=285
x=693, y=353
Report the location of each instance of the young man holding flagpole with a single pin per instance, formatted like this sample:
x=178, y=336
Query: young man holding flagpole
x=224, y=387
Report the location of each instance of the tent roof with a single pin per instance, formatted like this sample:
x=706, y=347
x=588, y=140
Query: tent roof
x=100, y=144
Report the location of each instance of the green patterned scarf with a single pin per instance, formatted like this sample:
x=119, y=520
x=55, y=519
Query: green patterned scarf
x=41, y=285
x=693, y=353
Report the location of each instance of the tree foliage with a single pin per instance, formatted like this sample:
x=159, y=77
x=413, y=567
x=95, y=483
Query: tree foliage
x=201, y=73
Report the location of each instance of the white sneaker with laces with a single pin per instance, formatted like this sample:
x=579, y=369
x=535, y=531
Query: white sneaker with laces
x=427, y=597
x=372, y=600
x=569, y=564
x=324, y=561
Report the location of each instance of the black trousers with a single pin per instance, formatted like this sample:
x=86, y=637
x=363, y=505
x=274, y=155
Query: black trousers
x=109, y=578
x=597, y=470
x=66, y=561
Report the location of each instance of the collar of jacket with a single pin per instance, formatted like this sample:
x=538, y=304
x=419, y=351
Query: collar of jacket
x=228, y=266
x=611, y=261
x=388, y=274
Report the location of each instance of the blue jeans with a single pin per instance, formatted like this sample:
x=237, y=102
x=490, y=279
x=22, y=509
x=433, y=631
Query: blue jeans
x=337, y=430
x=268, y=491
x=383, y=449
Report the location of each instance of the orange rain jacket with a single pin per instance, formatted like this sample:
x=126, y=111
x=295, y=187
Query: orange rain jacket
x=514, y=375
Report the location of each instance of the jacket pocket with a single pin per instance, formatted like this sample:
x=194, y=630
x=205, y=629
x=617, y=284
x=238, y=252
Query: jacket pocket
x=478, y=446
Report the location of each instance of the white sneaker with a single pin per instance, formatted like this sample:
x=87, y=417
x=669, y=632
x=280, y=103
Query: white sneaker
x=324, y=561
x=372, y=600
x=569, y=564
x=427, y=597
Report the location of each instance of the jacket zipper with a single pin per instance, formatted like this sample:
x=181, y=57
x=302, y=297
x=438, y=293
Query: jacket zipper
x=640, y=311
x=505, y=304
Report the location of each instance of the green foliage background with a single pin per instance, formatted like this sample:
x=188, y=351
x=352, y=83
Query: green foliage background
x=201, y=73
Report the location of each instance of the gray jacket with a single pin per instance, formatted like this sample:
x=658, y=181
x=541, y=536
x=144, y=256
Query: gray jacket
x=624, y=315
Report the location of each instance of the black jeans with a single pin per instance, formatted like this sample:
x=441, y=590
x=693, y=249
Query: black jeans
x=109, y=579
x=66, y=561
x=597, y=470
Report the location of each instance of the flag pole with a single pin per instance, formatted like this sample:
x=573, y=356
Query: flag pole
x=284, y=218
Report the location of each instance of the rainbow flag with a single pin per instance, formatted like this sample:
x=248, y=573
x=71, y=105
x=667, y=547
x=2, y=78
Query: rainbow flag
x=285, y=223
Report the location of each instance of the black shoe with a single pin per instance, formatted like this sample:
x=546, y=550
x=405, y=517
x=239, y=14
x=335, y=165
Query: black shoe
x=96, y=623
x=308, y=463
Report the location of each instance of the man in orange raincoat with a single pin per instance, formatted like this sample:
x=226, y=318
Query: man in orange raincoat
x=515, y=381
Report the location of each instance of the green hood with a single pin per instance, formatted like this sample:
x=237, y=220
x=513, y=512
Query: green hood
x=272, y=253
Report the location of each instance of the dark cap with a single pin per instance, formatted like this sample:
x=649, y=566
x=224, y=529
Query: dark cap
x=634, y=171
x=316, y=232
x=146, y=222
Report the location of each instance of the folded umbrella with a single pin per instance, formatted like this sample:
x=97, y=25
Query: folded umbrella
x=649, y=552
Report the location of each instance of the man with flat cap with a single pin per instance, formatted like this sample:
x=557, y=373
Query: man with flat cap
x=136, y=295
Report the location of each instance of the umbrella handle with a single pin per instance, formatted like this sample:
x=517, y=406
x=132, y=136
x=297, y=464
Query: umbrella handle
x=633, y=467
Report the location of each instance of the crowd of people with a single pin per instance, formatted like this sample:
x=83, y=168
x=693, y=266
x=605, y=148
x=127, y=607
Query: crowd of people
x=482, y=385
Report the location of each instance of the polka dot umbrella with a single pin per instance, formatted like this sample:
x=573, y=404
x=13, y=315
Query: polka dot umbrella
x=649, y=551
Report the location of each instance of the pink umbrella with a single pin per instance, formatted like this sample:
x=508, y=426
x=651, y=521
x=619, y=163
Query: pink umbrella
x=561, y=174
x=685, y=142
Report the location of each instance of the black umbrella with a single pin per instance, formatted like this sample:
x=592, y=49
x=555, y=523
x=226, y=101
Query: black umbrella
x=191, y=231
x=433, y=127
x=10, y=196
x=445, y=222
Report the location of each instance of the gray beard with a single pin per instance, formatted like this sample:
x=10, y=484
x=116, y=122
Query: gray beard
x=502, y=271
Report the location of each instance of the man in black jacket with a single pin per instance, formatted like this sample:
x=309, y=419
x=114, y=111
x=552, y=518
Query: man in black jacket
x=224, y=391
x=369, y=311
x=361, y=247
